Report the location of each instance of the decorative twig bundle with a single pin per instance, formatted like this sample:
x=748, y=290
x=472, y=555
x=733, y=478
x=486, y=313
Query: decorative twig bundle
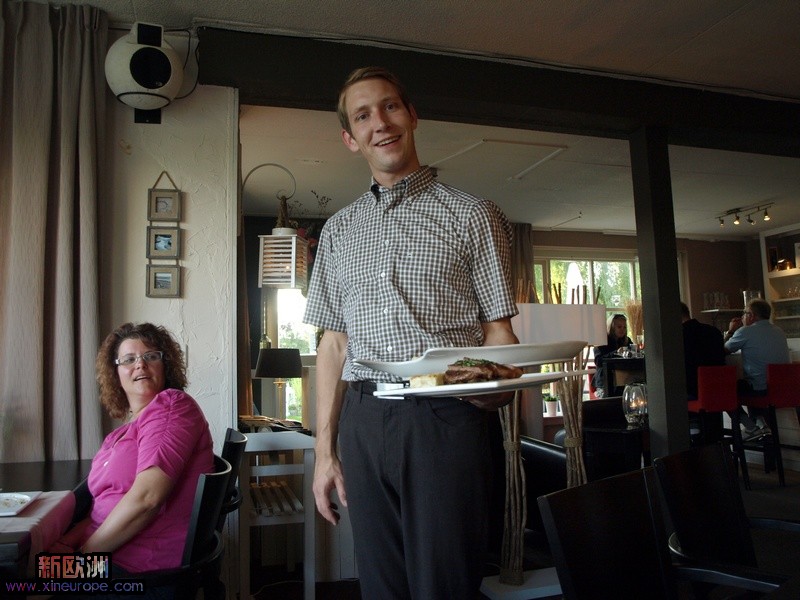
x=635, y=319
x=570, y=391
x=516, y=512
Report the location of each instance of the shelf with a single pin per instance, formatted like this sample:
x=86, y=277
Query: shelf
x=787, y=273
x=795, y=299
x=786, y=318
x=722, y=311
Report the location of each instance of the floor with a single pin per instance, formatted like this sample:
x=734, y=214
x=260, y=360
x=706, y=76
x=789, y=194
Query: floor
x=766, y=498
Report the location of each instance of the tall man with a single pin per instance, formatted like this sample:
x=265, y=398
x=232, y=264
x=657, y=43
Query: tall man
x=761, y=344
x=410, y=265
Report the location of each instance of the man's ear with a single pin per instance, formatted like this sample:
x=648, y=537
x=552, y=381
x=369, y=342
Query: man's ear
x=349, y=141
x=413, y=112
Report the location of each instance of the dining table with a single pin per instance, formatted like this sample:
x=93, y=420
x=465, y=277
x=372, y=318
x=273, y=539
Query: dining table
x=42, y=520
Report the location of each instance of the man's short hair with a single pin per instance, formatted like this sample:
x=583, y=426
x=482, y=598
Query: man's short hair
x=685, y=311
x=760, y=308
x=360, y=75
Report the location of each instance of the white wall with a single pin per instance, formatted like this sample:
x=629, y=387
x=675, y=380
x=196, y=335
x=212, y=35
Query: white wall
x=196, y=143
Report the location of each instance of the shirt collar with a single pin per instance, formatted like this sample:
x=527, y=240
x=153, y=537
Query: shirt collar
x=406, y=188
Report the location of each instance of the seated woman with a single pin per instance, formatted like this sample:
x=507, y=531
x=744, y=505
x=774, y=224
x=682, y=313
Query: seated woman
x=617, y=338
x=144, y=476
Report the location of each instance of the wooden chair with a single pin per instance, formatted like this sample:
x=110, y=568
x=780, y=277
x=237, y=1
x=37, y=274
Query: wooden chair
x=232, y=451
x=702, y=494
x=783, y=391
x=608, y=542
x=716, y=393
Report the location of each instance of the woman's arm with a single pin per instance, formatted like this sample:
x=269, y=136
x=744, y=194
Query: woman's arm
x=137, y=508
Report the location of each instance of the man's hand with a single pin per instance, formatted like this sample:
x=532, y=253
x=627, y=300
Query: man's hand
x=490, y=401
x=327, y=477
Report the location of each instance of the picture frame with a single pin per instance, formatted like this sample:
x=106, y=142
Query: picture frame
x=772, y=258
x=164, y=205
x=163, y=242
x=163, y=281
x=797, y=254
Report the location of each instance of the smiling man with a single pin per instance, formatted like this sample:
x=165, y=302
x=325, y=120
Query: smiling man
x=412, y=264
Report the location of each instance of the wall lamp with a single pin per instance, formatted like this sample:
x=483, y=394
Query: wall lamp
x=748, y=210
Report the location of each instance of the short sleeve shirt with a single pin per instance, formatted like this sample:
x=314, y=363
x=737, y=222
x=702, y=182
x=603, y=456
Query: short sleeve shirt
x=417, y=266
x=761, y=343
x=172, y=434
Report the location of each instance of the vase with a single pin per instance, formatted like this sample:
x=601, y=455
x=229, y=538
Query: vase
x=634, y=404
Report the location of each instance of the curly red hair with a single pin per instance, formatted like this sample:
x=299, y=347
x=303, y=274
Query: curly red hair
x=158, y=338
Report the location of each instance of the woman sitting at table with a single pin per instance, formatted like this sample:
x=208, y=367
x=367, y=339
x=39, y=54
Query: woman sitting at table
x=144, y=476
x=617, y=338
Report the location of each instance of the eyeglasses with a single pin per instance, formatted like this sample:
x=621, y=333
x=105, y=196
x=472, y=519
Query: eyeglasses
x=130, y=359
x=747, y=313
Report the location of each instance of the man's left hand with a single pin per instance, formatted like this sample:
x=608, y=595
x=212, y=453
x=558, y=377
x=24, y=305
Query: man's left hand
x=490, y=401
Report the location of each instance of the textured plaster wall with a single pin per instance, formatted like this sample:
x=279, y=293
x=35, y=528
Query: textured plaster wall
x=196, y=144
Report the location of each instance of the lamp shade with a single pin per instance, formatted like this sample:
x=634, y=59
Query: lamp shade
x=283, y=261
x=279, y=363
x=547, y=323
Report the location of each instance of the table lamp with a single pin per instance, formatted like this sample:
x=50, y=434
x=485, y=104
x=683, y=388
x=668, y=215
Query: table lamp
x=280, y=364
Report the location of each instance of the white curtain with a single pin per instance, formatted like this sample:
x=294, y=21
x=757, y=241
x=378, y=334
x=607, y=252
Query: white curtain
x=51, y=125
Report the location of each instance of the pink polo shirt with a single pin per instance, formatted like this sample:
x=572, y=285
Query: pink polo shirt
x=172, y=434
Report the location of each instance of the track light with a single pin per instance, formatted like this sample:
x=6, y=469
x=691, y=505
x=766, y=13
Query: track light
x=748, y=211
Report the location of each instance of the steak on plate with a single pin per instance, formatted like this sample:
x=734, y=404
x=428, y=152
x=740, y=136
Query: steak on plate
x=473, y=370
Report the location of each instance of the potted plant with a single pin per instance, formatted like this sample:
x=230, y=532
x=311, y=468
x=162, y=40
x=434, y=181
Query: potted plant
x=551, y=404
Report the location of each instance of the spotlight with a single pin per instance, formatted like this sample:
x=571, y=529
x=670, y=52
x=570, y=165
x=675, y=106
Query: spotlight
x=766, y=215
x=736, y=220
x=750, y=220
x=721, y=222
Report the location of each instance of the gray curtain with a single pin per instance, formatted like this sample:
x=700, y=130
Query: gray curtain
x=51, y=126
x=522, y=264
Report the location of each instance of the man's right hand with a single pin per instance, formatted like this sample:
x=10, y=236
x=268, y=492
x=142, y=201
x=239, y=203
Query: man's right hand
x=327, y=477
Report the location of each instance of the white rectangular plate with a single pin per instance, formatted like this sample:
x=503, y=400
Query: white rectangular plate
x=435, y=360
x=12, y=503
x=528, y=380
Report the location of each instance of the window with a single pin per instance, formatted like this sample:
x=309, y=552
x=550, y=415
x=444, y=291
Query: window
x=591, y=276
x=293, y=333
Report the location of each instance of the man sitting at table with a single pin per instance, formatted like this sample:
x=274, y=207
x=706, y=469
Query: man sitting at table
x=761, y=343
x=702, y=346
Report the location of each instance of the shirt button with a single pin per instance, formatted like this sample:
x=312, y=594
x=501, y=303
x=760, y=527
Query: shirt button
x=383, y=274
x=386, y=311
x=386, y=242
x=389, y=348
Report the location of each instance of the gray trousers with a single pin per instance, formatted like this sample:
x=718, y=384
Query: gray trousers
x=417, y=479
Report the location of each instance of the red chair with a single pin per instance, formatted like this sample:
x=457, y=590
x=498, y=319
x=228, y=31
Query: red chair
x=783, y=391
x=716, y=393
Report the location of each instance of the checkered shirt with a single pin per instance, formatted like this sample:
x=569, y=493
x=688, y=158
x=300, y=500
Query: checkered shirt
x=417, y=266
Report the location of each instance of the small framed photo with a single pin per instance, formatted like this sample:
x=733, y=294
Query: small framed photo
x=163, y=281
x=797, y=255
x=164, y=205
x=163, y=242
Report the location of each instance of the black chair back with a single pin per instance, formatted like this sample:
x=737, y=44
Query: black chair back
x=702, y=494
x=209, y=497
x=608, y=540
x=232, y=451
